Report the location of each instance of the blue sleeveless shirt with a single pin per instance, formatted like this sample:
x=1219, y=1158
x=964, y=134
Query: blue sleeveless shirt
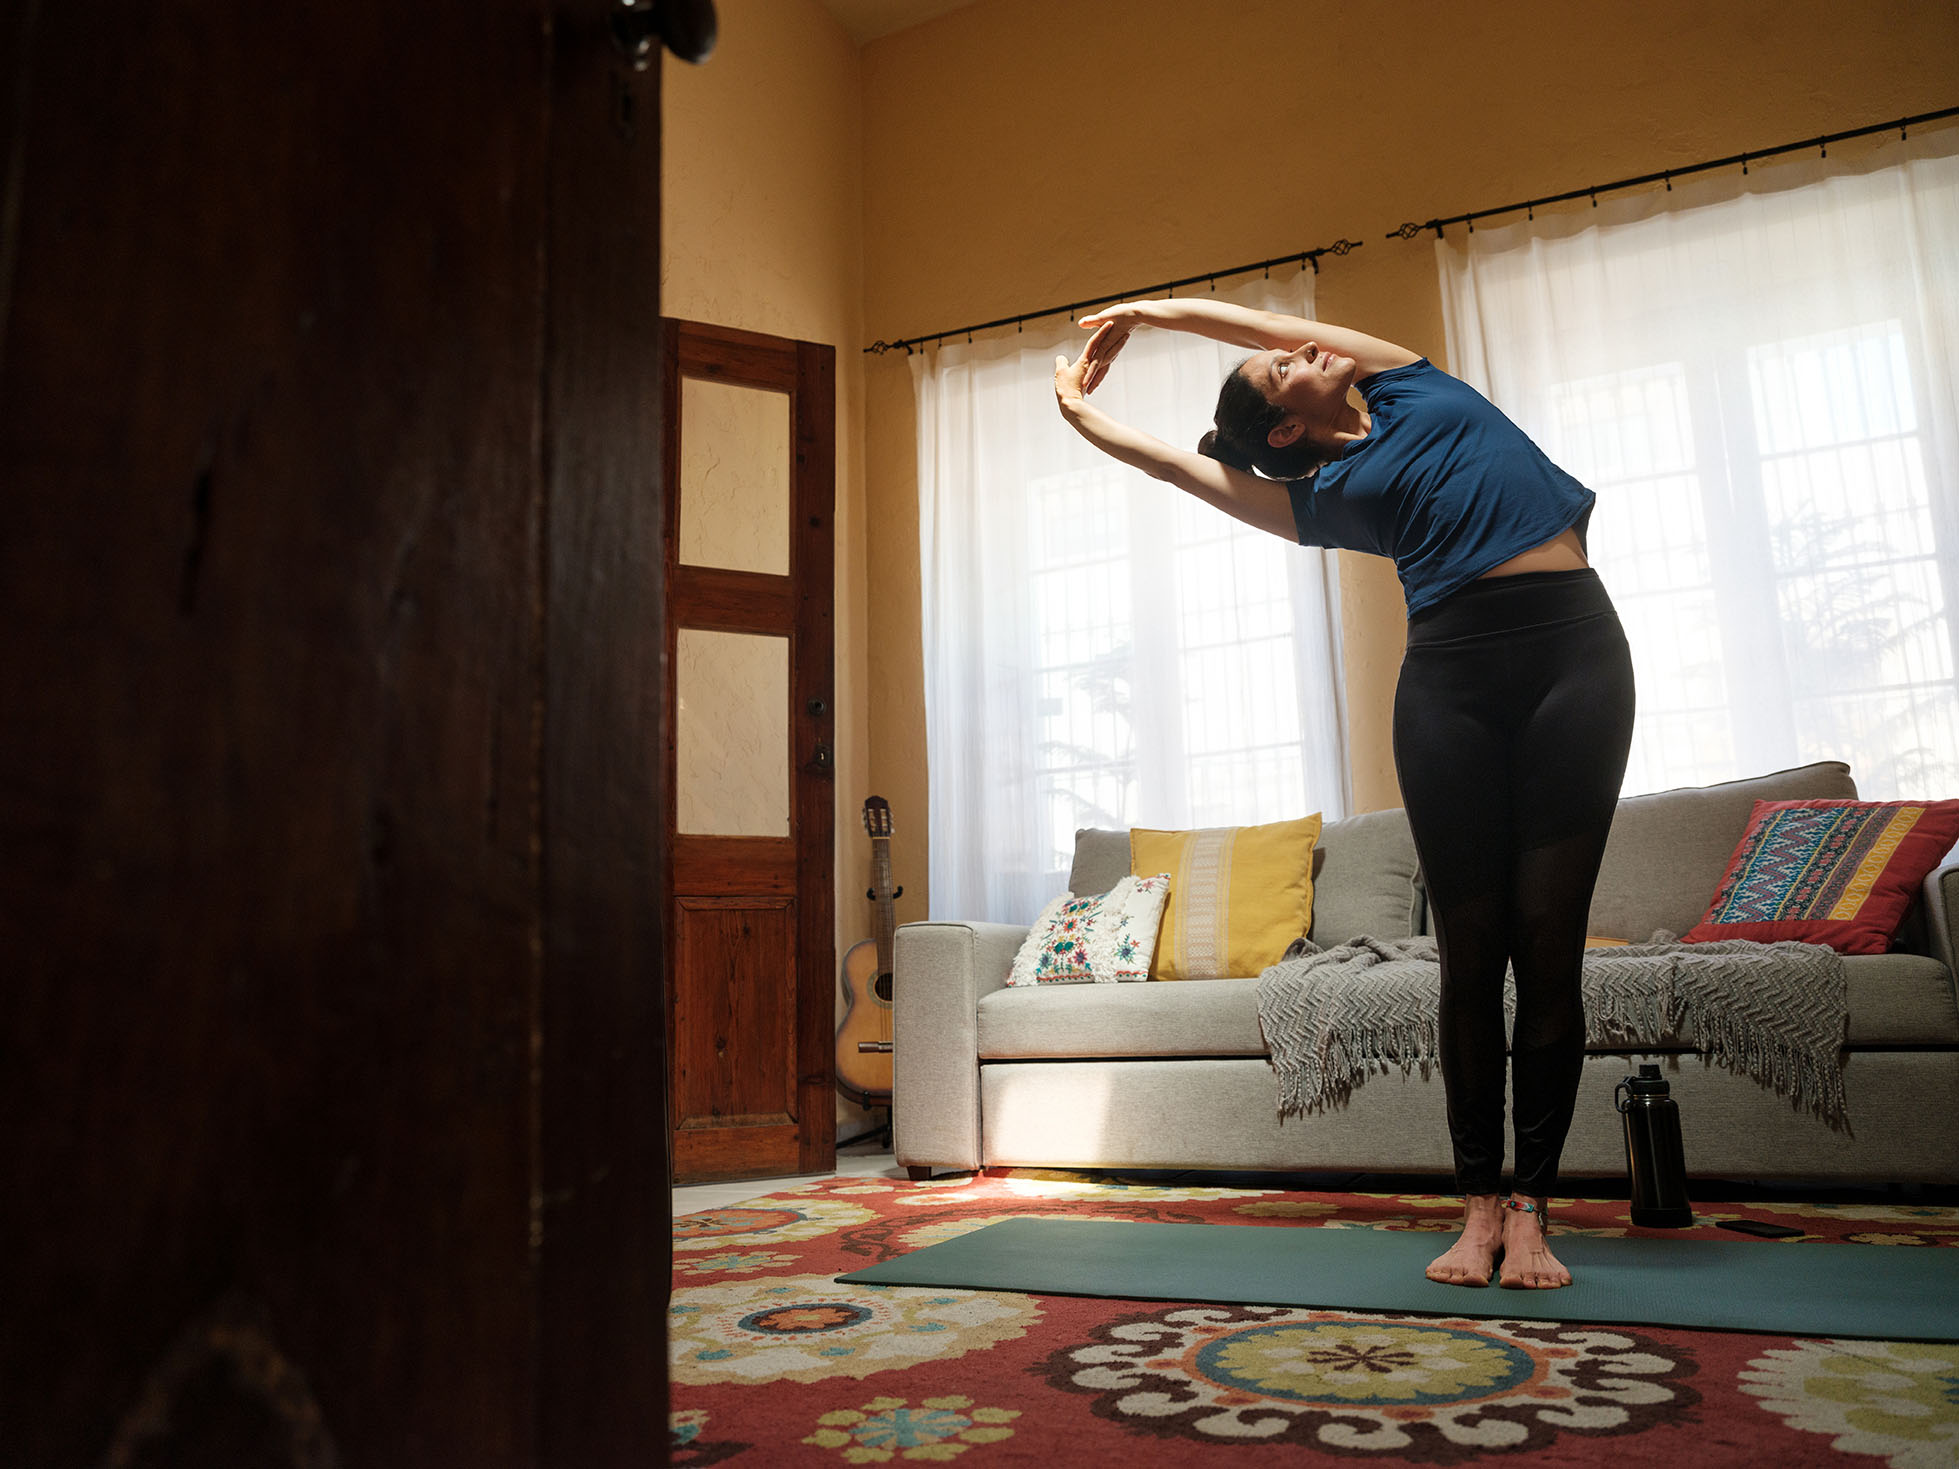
x=1443, y=483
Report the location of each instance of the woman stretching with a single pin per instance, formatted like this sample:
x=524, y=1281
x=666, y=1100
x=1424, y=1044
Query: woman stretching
x=1513, y=714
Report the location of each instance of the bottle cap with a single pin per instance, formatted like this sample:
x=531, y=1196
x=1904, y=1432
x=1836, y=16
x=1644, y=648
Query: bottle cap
x=1649, y=1082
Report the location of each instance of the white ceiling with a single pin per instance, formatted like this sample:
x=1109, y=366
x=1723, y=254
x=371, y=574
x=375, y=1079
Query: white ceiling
x=866, y=20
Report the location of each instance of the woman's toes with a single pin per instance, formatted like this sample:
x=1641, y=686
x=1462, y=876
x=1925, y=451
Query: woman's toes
x=1463, y=1265
x=1537, y=1279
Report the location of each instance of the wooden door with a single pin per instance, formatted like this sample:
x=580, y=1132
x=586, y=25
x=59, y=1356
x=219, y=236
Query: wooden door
x=751, y=457
x=331, y=1027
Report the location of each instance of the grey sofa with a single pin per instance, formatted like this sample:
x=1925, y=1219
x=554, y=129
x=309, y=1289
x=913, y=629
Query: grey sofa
x=1175, y=1076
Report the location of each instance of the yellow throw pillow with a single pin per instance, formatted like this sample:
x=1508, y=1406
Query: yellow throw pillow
x=1238, y=895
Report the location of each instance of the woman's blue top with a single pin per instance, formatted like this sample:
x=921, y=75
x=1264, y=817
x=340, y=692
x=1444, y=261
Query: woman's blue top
x=1442, y=482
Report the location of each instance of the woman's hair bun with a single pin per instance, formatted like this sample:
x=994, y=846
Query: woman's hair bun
x=1215, y=446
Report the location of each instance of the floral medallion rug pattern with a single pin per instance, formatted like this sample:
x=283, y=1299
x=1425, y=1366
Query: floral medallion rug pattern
x=774, y=1362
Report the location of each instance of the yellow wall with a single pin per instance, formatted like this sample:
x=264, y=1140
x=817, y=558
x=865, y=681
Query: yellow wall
x=1019, y=153
x=762, y=228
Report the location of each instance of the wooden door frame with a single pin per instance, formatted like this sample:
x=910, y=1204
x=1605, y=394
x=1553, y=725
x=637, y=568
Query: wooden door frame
x=602, y=1213
x=755, y=602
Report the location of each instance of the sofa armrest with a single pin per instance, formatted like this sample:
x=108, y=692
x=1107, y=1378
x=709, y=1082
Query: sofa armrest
x=1942, y=917
x=940, y=973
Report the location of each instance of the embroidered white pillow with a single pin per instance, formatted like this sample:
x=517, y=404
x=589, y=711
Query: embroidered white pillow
x=1107, y=939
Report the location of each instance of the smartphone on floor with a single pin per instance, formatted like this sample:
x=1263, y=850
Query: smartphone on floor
x=1762, y=1228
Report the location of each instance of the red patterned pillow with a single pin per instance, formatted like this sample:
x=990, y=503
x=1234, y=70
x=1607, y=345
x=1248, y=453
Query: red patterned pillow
x=1840, y=873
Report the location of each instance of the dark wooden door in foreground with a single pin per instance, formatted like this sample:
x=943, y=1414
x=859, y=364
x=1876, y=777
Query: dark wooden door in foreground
x=331, y=1026
x=751, y=458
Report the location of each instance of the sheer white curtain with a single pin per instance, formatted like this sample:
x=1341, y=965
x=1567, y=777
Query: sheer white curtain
x=1757, y=374
x=1101, y=649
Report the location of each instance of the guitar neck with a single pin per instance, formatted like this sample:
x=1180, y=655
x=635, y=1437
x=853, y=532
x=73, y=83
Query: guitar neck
x=885, y=927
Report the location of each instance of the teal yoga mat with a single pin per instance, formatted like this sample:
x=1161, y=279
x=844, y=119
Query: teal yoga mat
x=1785, y=1287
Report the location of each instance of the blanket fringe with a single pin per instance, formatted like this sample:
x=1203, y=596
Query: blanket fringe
x=1334, y=1017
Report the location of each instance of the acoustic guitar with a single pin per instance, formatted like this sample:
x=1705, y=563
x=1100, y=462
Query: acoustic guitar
x=864, y=1037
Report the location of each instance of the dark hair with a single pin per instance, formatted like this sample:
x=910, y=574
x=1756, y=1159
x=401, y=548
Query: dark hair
x=1244, y=418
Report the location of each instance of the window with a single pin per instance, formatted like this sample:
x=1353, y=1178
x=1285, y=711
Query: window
x=1218, y=598
x=1748, y=381
x=1100, y=649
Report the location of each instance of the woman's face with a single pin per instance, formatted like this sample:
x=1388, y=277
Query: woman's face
x=1310, y=383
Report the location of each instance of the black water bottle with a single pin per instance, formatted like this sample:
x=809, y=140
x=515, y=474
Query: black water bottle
x=1654, y=1160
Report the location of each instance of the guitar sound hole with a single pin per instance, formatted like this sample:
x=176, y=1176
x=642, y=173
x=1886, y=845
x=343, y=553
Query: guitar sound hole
x=881, y=988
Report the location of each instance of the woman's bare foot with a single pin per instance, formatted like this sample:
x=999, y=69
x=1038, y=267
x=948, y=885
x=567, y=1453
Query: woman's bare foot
x=1528, y=1263
x=1471, y=1260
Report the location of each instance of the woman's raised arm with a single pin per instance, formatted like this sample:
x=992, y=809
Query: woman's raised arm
x=1243, y=327
x=1258, y=502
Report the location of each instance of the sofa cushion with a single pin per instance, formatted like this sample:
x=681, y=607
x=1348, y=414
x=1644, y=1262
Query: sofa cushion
x=1841, y=873
x=1667, y=851
x=1895, y=1000
x=1900, y=1000
x=1104, y=939
x=1217, y=1018
x=1101, y=860
x=1239, y=895
x=1363, y=875
x=1364, y=879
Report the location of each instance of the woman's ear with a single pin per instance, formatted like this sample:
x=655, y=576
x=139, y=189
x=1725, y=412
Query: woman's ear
x=1286, y=432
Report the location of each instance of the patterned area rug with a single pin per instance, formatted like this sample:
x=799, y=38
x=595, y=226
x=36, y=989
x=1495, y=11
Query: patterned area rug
x=776, y=1363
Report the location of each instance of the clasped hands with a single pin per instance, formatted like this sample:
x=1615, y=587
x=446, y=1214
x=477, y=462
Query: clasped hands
x=1075, y=380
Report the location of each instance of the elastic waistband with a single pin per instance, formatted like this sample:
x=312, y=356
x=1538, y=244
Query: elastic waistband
x=1505, y=603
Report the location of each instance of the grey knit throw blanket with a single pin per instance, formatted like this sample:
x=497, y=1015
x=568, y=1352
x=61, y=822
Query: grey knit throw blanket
x=1774, y=1012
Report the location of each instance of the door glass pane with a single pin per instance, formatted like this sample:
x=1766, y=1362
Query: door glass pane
x=732, y=731
x=734, y=477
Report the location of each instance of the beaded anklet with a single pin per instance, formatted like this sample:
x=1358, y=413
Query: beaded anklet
x=1525, y=1206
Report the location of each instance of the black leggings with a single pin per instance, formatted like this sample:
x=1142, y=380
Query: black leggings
x=1512, y=721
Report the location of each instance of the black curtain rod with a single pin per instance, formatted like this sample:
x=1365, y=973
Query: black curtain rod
x=1411, y=229
x=1304, y=257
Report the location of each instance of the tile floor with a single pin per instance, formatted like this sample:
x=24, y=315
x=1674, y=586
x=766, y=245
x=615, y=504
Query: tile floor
x=855, y=1163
